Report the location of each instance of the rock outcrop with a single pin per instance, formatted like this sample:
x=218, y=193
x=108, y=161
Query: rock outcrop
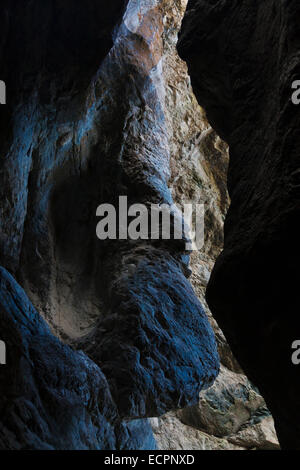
x=199, y=160
x=53, y=397
x=242, y=58
x=103, y=334
x=85, y=124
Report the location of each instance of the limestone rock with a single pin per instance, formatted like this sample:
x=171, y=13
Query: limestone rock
x=84, y=124
x=225, y=407
x=243, y=58
x=198, y=174
x=259, y=436
x=53, y=397
x=100, y=105
x=232, y=409
x=171, y=434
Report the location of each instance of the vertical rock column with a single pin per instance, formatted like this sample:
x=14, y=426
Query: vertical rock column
x=84, y=125
x=153, y=339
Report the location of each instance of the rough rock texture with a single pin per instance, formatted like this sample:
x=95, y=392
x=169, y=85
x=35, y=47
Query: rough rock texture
x=172, y=434
x=84, y=124
x=53, y=397
x=100, y=105
x=199, y=162
x=233, y=410
x=243, y=57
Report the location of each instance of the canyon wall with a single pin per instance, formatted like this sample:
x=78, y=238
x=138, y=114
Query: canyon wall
x=243, y=58
x=102, y=335
x=231, y=414
x=83, y=125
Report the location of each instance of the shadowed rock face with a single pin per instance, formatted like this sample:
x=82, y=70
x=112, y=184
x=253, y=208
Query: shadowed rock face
x=242, y=58
x=84, y=124
x=46, y=386
x=53, y=397
x=49, y=53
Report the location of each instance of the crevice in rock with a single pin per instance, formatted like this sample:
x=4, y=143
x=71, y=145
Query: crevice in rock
x=199, y=159
x=242, y=71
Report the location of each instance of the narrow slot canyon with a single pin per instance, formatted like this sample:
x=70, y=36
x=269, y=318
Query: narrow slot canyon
x=140, y=343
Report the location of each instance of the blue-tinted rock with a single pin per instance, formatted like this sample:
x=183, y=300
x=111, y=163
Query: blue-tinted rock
x=84, y=125
x=243, y=58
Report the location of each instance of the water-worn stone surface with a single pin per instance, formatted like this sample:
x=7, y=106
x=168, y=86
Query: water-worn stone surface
x=53, y=397
x=242, y=58
x=233, y=410
x=84, y=124
x=199, y=162
x=100, y=105
x=172, y=434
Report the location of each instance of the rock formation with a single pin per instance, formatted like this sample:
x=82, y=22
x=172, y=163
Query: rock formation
x=243, y=58
x=84, y=124
x=199, y=162
x=53, y=397
x=101, y=335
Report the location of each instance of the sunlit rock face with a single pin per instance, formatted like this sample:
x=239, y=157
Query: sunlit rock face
x=85, y=123
x=242, y=59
